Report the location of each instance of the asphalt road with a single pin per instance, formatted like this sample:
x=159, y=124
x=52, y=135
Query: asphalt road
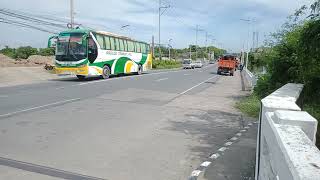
x=159, y=125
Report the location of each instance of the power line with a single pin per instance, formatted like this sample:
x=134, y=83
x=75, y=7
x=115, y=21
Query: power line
x=31, y=19
x=20, y=24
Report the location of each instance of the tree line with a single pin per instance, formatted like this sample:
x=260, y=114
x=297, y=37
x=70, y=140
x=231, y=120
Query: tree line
x=26, y=51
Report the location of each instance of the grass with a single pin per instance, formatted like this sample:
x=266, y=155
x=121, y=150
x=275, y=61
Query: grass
x=249, y=105
x=165, y=64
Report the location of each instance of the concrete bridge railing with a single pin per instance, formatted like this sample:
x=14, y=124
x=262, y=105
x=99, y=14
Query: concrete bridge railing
x=286, y=138
x=250, y=78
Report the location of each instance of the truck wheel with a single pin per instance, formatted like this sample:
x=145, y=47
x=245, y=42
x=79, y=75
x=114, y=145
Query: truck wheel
x=106, y=72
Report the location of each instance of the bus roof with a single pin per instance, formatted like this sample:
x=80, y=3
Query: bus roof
x=99, y=32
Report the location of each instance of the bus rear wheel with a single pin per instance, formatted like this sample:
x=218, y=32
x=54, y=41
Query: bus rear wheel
x=81, y=77
x=106, y=72
x=139, y=70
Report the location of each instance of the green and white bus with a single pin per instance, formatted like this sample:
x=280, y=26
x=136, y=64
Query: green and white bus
x=97, y=53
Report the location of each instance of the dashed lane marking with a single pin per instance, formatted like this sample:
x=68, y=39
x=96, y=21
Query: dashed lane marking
x=243, y=130
x=234, y=138
x=163, y=79
x=222, y=149
x=238, y=134
x=205, y=164
x=195, y=173
x=228, y=144
x=214, y=156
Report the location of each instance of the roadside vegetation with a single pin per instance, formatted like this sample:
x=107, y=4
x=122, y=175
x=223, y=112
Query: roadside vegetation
x=202, y=52
x=291, y=55
x=249, y=105
x=25, y=52
x=166, y=64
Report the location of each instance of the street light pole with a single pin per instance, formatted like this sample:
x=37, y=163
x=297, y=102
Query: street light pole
x=160, y=7
x=71, y=14
x=197, y=29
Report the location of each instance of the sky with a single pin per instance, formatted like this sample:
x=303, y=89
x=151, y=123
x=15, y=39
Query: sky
x=220, y=19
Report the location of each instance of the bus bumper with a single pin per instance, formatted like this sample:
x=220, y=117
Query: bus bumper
x=72, y=70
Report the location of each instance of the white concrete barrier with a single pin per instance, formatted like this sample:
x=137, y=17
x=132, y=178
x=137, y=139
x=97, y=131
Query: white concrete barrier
x=249, y=77
x=286, y=138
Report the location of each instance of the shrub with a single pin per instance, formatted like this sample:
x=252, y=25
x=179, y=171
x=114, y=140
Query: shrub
x=25, y=52
x=10, y=52
x=165, y=64
x=46, y=51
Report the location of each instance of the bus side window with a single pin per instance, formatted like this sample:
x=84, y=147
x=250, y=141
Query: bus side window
x=143, y=47
x=148, y=48
x=112, y=43
x=93, y=51
x=100, y=40
x=107, y=42
x=121, y=45
x=125, y=45
x=117, y=44
x=130, y=46
x=138, y=47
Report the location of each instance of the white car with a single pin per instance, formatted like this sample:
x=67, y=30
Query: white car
x=188, y=64
x=198, y=64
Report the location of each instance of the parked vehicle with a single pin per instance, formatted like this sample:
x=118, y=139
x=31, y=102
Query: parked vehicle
x=198, y=64
x=227, y=65
x=188, y=64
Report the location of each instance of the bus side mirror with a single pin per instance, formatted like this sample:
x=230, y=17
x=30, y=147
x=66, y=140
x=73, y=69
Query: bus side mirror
x=52, y=42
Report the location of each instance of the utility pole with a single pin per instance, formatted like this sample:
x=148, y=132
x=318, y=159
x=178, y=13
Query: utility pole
x=169, y=49
x=71, y=14
x=197, y=30
x=190, y=51
x=160, y=13
x=152, y=47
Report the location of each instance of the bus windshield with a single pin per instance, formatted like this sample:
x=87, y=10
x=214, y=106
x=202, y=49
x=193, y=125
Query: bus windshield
x=70, y=47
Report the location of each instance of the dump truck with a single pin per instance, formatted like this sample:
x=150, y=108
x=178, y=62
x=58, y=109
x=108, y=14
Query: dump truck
x=227, y=65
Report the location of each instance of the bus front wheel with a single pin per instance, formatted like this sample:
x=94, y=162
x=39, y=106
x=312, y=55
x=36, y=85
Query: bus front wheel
x=106, y=72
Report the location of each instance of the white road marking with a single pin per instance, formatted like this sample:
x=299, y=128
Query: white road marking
x=162, y=79
x=243, y=130
x=222, y=149
x=234, y=138
x=205, y=164
x=247, y=127
x=238, y=134
x=228, y=144
x=195, y=173
x=124, y=77
x=3, y=96
x=250, y=124
x=60, y=88
x=214, y=156
x=186, y=74
x=197, y=85
x=38, y=107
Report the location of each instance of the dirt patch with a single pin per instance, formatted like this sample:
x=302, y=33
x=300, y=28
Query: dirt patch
x=32, y=61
